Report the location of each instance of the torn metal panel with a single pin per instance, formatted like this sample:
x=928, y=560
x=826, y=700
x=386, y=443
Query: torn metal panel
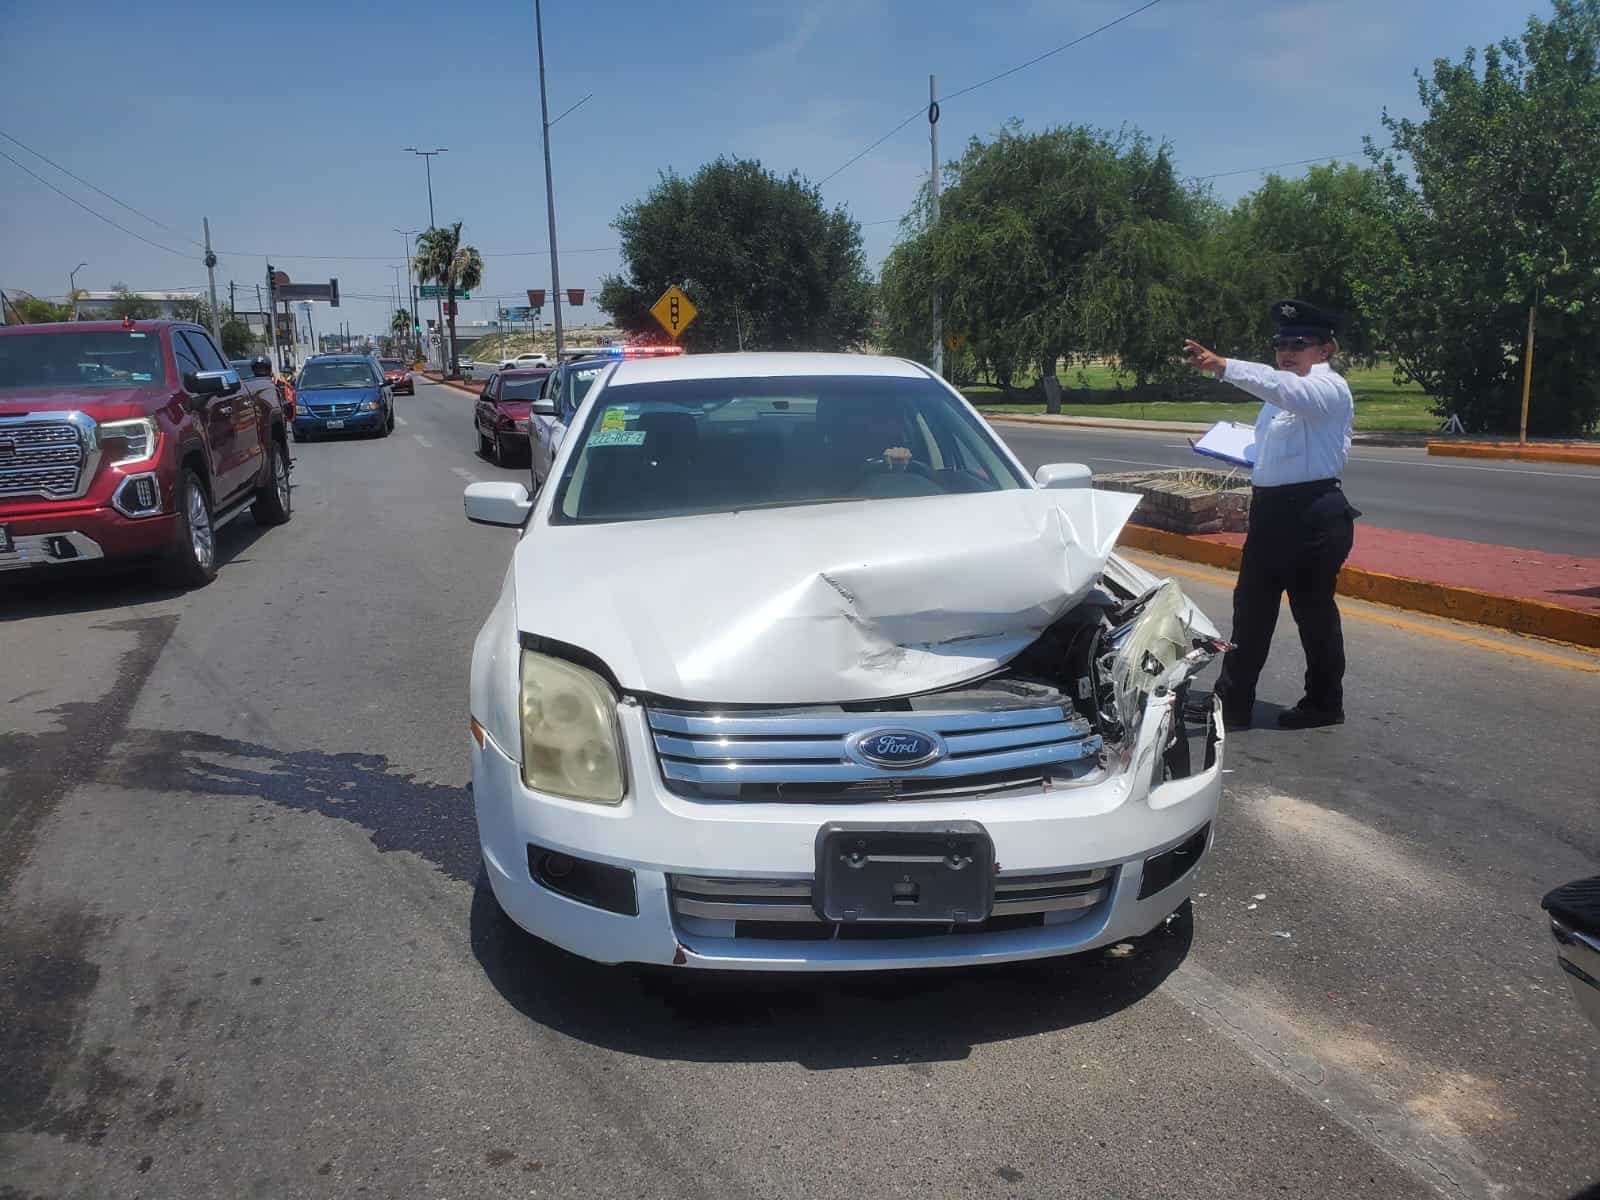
x=821, y=603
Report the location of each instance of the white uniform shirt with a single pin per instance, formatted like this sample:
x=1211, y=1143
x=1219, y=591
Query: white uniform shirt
x=1303, y=432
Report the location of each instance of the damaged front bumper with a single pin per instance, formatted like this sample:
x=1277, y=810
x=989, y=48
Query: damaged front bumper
x=666, y=879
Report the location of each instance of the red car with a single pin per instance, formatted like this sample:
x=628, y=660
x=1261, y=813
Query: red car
x=502, y=411
x=399, y=375
x=132, y=439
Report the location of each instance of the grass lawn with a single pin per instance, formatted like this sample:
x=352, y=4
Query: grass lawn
x=1381, y=404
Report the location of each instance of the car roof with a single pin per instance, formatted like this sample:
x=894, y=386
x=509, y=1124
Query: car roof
x=524, y=372
x=149, y=326
x=764, y=365
x=338, y=358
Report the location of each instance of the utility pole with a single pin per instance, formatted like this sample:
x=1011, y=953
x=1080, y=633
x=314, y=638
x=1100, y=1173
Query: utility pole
x=405, y=239
x=933, y=179
x=272, y=318
x=1527, y=369
x=427, y=158
x=211, y=279
x=231, y=308
x=549, y=184
x=260, y=309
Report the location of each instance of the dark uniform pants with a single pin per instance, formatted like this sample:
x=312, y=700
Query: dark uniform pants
x=1299, y=537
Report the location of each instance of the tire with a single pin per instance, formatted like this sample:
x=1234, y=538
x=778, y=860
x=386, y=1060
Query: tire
x=192, y=561
x=484, y=449
x=499, y=457
x=274, y=503
x=391, y=421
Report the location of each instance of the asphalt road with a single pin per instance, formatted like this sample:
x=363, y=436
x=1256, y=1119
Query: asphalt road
x=1537, y=506
x=245, y=948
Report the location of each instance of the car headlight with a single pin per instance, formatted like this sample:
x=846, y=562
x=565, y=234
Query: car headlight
x=570, y=745
x=138, y=438
x=369, y=406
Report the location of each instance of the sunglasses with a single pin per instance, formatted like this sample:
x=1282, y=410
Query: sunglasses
x=1295, y=343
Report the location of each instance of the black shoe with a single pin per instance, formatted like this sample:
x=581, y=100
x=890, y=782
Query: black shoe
x=1307, y=716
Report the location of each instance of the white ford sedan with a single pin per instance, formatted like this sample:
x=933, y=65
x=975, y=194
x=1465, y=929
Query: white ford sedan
x=795, y=668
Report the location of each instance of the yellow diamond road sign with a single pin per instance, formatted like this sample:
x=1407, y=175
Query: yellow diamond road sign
x=674, y=310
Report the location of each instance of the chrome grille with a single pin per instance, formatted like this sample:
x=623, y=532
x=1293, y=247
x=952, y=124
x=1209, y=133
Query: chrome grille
x=41, y=457
x=802, y=754
x=322, y=411
x=788, y=901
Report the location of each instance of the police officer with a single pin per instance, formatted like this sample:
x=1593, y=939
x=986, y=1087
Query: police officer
x=1301, y=525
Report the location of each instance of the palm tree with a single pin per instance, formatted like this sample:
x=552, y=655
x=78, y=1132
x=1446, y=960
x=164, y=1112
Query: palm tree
x=400, y=326
x=442, y=259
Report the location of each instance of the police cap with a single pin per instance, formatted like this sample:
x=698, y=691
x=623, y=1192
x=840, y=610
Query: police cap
x=1297, y=318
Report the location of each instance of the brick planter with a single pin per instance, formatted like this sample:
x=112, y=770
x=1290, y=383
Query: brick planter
x=1185, y=501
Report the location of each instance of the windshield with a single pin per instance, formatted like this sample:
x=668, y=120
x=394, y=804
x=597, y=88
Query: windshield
x=718, y=445
x=391, y=364
x=521, y=389
x=337, y=375
x=113, y=358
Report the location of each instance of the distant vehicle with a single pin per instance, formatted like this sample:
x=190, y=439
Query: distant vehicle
x=565, y=390
x=502, y=413
x=342, y=393
x=133, y=439
x=796, y=668
x=525, y=360
x=398, y=375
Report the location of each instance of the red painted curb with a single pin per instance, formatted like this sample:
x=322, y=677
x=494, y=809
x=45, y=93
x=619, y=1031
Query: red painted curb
x=1512, y=613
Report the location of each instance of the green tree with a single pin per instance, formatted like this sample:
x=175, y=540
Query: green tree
x=400, y=326
x=127, y=305
x=1071, y=242
x=1314, y=238
x=443, y=259
x=34, y=311
x=766, y=263
x=237, y=340
x=1493, y=205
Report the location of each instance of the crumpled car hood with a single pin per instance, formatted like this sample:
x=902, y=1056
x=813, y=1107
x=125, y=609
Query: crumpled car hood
x=826, y=603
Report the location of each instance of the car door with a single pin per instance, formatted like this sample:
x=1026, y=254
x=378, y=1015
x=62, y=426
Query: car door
x=215, y=414
x=483, y=415
x=542, y=438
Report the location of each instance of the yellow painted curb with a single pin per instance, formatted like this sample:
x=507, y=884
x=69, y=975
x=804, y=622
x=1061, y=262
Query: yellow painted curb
x=459, y=384
x=1582, y=455
x=1514, y=613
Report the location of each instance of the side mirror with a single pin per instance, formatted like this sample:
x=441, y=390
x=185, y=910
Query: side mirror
x=214, y=383
x=1064, y=475
x=497, y=503
x=543, y=408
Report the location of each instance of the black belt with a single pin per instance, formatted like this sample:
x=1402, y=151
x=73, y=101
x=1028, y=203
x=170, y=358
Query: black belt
x=1296, y=491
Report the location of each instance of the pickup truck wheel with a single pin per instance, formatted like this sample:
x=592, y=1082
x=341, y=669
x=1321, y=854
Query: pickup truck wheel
x=193, y=559
x=499, y=456
x=273, y=501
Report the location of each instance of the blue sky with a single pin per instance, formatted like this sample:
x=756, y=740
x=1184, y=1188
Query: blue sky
x=284, y=123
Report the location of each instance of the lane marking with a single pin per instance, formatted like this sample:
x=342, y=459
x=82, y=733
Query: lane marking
x=1348, y=607
x=401, y=421
x=464, y=473
x=422, y=441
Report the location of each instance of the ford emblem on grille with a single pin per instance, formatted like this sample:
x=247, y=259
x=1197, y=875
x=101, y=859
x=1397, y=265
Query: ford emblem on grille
x=895, y=749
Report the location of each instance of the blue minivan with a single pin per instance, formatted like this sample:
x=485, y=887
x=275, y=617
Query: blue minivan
x=342, y=393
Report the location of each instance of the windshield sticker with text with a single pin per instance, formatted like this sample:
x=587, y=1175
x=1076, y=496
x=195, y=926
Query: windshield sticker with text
x=618, y=437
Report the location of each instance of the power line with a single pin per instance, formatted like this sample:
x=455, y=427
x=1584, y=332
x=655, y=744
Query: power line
x=1299, y=162
x=87, y=184
x=90, y=211
x=1039, y=58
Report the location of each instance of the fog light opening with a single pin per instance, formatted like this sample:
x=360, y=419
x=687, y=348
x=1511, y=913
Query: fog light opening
x=1165, y=869
x=598, y=885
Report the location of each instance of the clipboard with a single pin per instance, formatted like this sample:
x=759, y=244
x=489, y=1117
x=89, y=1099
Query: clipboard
x=1228, y=441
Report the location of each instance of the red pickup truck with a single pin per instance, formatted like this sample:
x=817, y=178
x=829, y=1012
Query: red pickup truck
x=132, y=439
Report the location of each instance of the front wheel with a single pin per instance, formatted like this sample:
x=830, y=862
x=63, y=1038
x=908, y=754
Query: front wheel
x=273, y=501
x=192, y=561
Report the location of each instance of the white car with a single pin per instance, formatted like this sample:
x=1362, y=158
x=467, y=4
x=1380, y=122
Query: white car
x=525, y=360
x=795, y=668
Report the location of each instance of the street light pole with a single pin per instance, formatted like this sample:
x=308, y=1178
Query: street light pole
x=427, y=157
x=405, y=238
x=549, y=185
x=72, y=288
x=933, y=213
